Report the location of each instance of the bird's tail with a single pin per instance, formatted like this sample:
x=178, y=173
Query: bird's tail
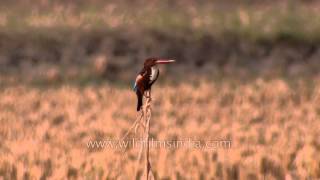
x=139, y=96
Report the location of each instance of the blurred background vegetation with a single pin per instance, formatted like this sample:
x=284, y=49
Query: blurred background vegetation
x=58, y=41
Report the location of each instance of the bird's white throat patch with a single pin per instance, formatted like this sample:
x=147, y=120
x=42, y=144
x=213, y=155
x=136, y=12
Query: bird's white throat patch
x=154, y=73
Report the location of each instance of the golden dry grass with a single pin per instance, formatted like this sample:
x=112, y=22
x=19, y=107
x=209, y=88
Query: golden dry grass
x=274, y=128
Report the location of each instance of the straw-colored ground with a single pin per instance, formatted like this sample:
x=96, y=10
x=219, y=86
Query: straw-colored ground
x=274, y=128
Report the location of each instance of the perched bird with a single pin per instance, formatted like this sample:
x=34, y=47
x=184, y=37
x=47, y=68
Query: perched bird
x=147, y=76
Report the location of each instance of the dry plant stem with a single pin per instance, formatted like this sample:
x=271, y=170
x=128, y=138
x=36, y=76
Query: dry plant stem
x=135, y=125
x=148, y=110
x=146, y=117
x=141, y=147
x=147, y=128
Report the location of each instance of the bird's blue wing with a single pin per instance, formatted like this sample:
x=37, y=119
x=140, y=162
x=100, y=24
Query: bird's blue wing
x=135, y=87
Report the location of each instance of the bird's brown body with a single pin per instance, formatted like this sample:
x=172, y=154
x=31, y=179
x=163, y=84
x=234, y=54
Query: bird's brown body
x=147, y=77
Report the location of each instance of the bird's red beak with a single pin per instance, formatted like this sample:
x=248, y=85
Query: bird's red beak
x=165, y=61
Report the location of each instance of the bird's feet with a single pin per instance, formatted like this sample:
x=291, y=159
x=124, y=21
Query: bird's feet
x=147, y=94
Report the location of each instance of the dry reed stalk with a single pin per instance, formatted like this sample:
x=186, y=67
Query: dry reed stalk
x=148, y=110
x=146, y=117
x=144, y=120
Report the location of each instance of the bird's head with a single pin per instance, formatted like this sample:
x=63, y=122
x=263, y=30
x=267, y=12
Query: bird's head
x=154, y=61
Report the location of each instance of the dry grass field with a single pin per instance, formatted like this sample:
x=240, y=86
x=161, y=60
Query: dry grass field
x=246, y=72
x=273, y=126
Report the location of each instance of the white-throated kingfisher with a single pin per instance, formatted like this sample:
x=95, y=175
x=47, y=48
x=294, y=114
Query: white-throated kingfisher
x=147, y=76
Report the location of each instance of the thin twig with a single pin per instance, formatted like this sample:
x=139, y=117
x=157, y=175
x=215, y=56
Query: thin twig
x=148, y=111
x=146, y=116
x=133, y=126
